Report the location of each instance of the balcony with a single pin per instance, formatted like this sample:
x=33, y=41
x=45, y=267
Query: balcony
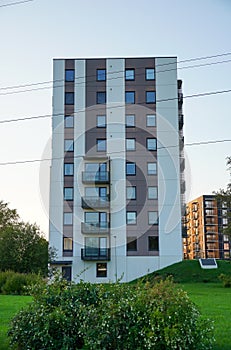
x=211, y=238
x=95, y=202
x=94, y=227
x=93, y=254
x=92, y=177
x=181, y=121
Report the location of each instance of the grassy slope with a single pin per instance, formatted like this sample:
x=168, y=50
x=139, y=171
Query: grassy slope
x=9, y=306
x=189, y=271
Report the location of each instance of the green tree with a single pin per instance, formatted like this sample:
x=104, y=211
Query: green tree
x=22, y=247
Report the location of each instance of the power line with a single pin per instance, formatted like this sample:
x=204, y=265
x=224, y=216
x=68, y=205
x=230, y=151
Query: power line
x=113, y=78
x=15, y=3
x=102, y=106
x=199, y=143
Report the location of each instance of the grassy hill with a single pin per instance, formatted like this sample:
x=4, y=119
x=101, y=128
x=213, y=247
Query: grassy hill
x=189, y=271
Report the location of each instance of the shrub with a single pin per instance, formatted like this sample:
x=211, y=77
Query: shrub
x=17, y=283
x=226, y=280
x=115, y=316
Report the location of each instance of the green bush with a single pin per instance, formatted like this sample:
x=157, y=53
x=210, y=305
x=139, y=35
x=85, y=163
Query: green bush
x=114, y=316
x=17, y=283
x=226, y=280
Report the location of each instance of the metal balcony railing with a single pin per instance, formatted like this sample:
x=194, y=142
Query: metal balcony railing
x=100, y=254
x=95, y=227
x=98, y=177
x=95, y=202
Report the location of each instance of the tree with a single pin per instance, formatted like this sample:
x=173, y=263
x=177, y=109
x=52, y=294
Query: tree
x=22, y=247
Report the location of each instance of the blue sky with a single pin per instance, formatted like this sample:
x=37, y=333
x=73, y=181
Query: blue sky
x=34, y=33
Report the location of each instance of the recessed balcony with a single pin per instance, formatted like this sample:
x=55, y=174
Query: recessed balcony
x=95, y=227
x=95, y=202
x=92, y=177
x=98, y=254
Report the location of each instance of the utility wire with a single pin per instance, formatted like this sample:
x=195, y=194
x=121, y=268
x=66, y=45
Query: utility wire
x=199, y=143
x=112, y=78
x=15, y=3
x=103, y=106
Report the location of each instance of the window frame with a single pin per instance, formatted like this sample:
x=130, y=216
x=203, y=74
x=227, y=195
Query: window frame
x=149, y=243
x=129, y=139
x=130, y=241
x=147, y=98
x=148, y=171
x=72, y=78
x=69, y=242
x=156, y=194
x=70, y=117
x=132, y=77
x=133, y=125
x=150, y=221
x=146, y=73
x=129, y=221
x=147, y=120
x=66, y=221
x=69, y=149
x=133, y=197
x=101, y=141
x=130, y=174
x=68, y=197
x=131, y=93
x=101, y=74
x=72, y=167
x=98, y=98
x=67, y=96
x=104, y=266
x=103, y=125
x=149, y=139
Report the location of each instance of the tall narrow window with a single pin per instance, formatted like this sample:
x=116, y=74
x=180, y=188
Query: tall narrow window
x=69, y=75
x=150, y=120
x=130, y=120
x=130, y=168
x=69, y=121
x=131, y=217
x=153, y=243
x=101, y=121
x=131, y=244
x=131, y=192
x=151, y=144
x=68, y=169
x=69, y=98
x=101, y=74
x=130, y=97
x=152, y=217
x=130, y=144
x=152, y=192
x=149, y=73
x=67, y=218
x=101, y=97
x=130, y=74
x=150, y=96
x=101, y=145
x=69, y=145
x=68, y=193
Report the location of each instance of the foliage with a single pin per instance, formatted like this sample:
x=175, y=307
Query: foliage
x=115, y=316
x=17, y=283
x=22, y=247
x=226, y=280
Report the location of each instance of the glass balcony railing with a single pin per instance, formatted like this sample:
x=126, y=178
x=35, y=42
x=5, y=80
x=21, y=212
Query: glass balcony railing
x=98, y=177
x=95, y=202
x=90, y=253
x=95, y=227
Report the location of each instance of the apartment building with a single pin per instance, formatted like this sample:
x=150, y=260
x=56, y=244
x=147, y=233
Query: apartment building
x=205, y=221
x=116, y=183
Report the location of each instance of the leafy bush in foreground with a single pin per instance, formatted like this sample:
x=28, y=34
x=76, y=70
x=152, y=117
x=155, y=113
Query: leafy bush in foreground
x=226, y=280
x=114, y=316
x=17, y=283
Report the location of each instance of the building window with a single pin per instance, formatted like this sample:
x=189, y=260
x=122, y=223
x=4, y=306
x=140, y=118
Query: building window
x=67, y=244
x=150, y=120
x=101, y=74
x=67, y=218
x=68, y=169
x=131, y=192
x=69, y=98
x=150, y=96
x=96, y=246
x=149, y=73
x=101, y=270
x=69, y=75
x=130, y=97
x=101, y=121
x=68, y=193
x=68, y=145
x=98, y=219
x=130, y=74
x=66, y=272
x=152, y=217
x=152, y=168
x=130, y=120
x=130, y=144
x=153, y=243
x=130, y=168
x=152, y=192
x=131, y=244
x=151, y=144
x=101, y=145
x=131, y=217
x=69, y=121
x=101, y=97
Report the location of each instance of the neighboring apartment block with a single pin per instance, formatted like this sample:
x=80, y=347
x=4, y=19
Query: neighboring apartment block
x=205, y=220
x=117, y=184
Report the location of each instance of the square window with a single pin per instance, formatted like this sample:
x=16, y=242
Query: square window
x=152, y=192
x=130, y=120
x=130, y=168
x=152, y=217
x=68, y=169
x=150, y=120
x=101, y=97
x=69, y=75
x=152, y=168
x=101, y=74
x=67, y=218
x=69, y=98
x=153, y=243
x=131, y=244
x=68, y=193
x=69, y=121
x=150, y=73
x=151, y=144
x=150, y=96
x=130, y=74
x=101, y=145
x=131, y=217
x=67, y=243
x=130, y=144
x=101, y=121
x=68, y=145
x=130, y=97
x=101, y=270
x=131, y=192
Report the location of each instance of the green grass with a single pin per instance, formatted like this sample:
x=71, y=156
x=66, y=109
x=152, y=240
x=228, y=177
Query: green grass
x=214, y=302
x=9, y=306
